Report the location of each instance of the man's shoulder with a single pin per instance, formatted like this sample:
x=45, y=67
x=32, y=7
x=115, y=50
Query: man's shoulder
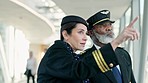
x=120, y=48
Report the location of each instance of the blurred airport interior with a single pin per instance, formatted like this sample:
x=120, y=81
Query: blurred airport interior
x=33, y=25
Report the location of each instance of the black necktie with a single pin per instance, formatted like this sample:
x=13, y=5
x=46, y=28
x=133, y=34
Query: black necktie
x=117, y=74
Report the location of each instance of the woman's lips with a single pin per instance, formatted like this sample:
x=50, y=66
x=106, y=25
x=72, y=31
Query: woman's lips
x=83, y=44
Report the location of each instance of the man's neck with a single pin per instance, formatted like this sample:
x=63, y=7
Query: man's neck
x=99, y=43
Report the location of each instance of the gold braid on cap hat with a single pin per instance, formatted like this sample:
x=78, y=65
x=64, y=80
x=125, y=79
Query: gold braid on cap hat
x=100, y=21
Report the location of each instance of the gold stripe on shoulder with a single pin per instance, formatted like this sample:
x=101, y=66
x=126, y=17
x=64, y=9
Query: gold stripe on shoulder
x=94, y=55
x=103, y=61
x=97, y=55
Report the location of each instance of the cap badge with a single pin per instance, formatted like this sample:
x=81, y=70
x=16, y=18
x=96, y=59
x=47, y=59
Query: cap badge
x=104, y=12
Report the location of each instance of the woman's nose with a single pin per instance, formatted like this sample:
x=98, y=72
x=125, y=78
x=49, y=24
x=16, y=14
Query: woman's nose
x=85, y=38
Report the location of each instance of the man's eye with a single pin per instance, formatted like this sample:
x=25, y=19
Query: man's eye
x=107, y=24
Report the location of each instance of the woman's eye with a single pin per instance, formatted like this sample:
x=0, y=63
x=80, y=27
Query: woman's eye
x=81, y=32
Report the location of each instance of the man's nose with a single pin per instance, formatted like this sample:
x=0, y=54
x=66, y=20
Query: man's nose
x=109, y=29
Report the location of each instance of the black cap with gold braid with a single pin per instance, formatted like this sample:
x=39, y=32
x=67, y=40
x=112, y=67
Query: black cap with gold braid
x=73, y=18
x=99, y=18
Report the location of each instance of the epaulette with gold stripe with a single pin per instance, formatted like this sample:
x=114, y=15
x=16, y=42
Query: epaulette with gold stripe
x=100, y=61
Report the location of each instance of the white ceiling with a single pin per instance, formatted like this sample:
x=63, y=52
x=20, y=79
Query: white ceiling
x=37, y=28
x=86, y=8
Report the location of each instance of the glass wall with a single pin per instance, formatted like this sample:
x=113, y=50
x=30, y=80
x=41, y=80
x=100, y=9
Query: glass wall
x=4, y=72
x=13, y=53
x=144, y=19
x=1, y=66
x=137, y=49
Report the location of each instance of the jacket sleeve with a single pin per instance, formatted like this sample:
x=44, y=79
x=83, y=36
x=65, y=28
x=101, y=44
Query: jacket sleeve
x=105, y=58
x=60, y=63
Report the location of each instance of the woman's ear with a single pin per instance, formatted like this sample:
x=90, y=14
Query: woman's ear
x=65, y=35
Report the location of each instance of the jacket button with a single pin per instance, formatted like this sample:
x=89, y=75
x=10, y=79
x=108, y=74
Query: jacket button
x=111, y=64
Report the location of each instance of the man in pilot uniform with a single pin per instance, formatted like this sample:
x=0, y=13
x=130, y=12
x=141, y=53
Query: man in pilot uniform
x=101, y=32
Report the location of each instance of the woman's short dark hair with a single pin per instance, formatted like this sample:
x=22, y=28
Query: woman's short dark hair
x=68, y=27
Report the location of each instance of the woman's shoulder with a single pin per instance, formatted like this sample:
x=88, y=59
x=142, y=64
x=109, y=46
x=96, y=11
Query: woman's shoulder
x=59, y=44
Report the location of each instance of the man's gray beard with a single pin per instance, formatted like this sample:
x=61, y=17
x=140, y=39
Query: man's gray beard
x=104, y=38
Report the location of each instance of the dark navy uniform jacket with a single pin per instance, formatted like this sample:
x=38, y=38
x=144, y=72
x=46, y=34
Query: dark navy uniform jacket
x=60, y=66
x=125, y=64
